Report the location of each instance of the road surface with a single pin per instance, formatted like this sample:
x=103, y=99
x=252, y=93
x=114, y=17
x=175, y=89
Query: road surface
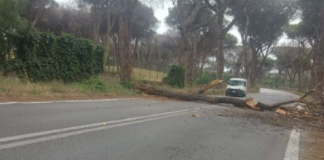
x=136, y=129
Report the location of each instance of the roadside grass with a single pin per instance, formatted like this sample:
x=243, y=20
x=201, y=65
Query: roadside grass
x=100, y=87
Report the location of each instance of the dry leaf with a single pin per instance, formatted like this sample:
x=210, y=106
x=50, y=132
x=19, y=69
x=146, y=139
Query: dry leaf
x=281, y=111
x=195, y=115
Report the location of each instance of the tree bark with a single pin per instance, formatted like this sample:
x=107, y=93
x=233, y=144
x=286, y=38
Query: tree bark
x=193, y=97
x=220, y=46
x=188, y=53
x=253, y=67
x=38, y=16
x=242, y=103
x=124, y=38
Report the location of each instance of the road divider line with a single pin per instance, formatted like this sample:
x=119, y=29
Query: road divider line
x=78, y=132
x=292, y=150
x=12, y=138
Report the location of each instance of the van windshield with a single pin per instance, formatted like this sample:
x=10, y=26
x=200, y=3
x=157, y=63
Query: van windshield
x=236, y=83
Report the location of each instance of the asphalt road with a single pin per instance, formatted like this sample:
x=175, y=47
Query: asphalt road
x=136, y=129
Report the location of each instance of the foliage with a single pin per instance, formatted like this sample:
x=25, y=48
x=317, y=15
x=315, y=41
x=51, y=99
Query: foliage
x=45, y=57
x=312, y=18
x=10, y=12
x=230, y=41
x=266, y=19
x=206, y=77
x=93, y=84
x=227, y=76
x=271, y=82
x=175, y=77
x=10, y=21
x=128, y=85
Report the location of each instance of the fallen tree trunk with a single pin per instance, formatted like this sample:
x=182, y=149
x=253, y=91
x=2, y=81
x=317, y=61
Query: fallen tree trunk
x=197, y=97
x=238, y=102
x=277, y=105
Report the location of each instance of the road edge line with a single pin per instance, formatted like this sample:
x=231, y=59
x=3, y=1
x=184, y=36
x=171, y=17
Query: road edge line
x=72, y=101
x=292, y=150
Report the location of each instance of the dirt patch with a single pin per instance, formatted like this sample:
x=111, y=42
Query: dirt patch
x=312, y=146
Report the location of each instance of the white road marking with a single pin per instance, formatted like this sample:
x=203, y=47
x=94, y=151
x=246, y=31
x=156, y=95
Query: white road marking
x=6, y=139
x=70, y=101
x=74, y=133
x=6, y=103
x=292, y=150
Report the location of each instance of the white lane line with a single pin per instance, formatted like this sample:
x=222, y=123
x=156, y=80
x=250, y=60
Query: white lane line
x=6, y=103
x=70, y=101
x=64, y=135
x=5, y=139
x=292, y=150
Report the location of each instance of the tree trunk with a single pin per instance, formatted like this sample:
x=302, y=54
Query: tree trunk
x=107, y=44
x=38, y=16
x=188, y=53
x=253, y=68
x=220, y=60
x=279, y=79
x=124, y=42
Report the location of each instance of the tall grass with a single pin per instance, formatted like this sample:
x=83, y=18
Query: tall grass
x=96, y=86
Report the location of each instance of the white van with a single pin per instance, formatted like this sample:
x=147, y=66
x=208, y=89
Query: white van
x=236, y=87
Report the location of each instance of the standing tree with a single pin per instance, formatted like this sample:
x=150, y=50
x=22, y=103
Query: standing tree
x=10, y=21
x=312, y=16
x=36, y=8
x=188, y=17
x=263, y=24
x=221, y=8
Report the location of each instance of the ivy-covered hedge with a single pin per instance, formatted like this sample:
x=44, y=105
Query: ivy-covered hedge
x=45, y=57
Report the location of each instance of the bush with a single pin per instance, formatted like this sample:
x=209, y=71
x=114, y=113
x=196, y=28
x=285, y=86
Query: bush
x=128, y=85
x=94, y=84
x=206, y=77
x=46, y=57
x=175, y=77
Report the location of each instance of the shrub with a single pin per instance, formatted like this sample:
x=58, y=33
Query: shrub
x=94, y=84
x=128, y=85
x=175, y=77
x=206, y=77
x=43, y=56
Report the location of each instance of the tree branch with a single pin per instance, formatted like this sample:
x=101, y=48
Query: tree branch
x=229, y=26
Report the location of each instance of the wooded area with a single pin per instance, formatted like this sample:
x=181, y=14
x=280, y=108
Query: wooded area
x=198, y=39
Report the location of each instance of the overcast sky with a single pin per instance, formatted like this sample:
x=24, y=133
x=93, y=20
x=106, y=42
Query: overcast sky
x=162, y=12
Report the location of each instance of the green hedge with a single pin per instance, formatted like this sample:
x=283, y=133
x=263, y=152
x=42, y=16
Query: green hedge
x=45, y=57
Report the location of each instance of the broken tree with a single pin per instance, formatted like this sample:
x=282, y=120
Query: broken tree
x=197, y=96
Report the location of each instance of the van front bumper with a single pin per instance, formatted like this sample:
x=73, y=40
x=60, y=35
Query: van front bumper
x=235, y=92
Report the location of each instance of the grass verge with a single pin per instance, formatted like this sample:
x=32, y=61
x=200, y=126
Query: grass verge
x=15, y=89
